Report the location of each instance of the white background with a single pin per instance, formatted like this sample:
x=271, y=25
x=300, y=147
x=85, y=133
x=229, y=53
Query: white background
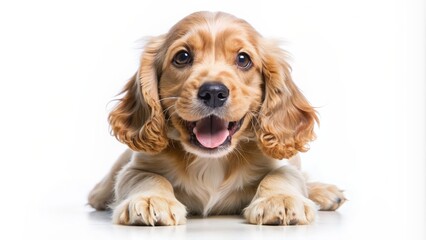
x=361, y=63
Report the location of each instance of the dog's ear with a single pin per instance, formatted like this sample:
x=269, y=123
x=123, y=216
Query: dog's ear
x=286, y=119
x=138, y=118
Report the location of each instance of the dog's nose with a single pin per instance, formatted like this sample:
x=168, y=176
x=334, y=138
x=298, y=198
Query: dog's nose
x=213, y=94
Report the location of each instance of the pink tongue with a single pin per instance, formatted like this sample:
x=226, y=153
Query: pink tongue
x=211, y=131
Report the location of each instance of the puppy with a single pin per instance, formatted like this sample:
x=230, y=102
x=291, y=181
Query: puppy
x=207, y=117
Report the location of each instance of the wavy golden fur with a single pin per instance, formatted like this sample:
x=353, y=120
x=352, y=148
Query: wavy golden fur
x=207, y=117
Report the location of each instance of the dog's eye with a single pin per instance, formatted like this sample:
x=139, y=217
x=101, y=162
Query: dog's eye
x=243, y=61
x=182, y=58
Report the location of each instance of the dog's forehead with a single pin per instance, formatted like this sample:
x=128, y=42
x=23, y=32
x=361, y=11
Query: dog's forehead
x=209, y=26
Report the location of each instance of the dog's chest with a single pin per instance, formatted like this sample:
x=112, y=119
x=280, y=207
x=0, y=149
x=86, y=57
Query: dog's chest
x=206, y=182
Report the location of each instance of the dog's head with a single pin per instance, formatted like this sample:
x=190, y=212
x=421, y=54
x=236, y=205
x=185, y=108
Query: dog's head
x=211, y=82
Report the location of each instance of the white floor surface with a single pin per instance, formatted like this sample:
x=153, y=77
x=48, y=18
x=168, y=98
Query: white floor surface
x=62, y=214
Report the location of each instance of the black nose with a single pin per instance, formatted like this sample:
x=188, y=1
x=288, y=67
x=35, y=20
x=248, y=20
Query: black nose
x=213, y=94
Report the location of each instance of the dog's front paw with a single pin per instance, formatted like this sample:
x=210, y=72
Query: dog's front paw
x=281, y=210
x=327, y=196
x=150, y=210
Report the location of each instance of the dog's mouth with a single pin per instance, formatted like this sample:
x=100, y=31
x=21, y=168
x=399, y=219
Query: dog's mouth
x=212, y=132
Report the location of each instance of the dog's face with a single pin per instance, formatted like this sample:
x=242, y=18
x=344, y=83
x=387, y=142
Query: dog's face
x=209, y=83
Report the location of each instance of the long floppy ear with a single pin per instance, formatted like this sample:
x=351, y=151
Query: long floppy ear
x=286, y=119
x=138, y=118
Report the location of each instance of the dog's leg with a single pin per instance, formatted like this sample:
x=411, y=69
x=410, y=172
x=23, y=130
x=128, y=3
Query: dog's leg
x=144, y=198
x=281, y=199
x=103, y=193
x=327, y=196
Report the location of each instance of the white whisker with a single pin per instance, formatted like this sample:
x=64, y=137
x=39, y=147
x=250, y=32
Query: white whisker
x=169, y=98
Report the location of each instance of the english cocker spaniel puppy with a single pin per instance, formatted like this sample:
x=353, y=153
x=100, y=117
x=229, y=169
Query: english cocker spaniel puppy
x=207, y=117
